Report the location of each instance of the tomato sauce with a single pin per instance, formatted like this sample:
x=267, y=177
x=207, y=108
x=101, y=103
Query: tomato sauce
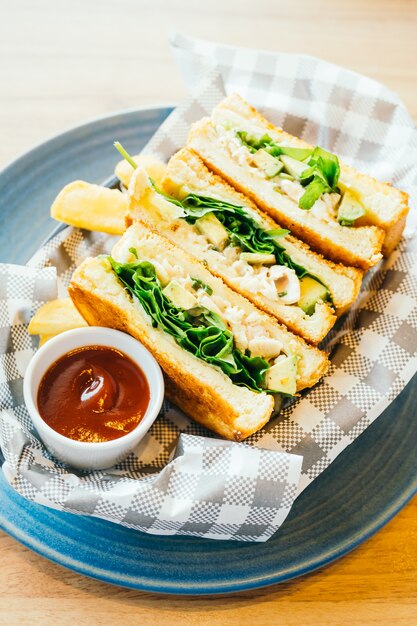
x=93, y=394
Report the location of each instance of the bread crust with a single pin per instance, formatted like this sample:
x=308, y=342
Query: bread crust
x=192, y=395
x=186, y=173
x=191, y=158
x=230, y=410
x=304, y=227
x=393, y=226
x=313, y=362
x=393, y=235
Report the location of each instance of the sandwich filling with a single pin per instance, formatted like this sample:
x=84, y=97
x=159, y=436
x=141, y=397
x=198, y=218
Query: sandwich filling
x=308, y=176
x=208, y=326
x=257, y=259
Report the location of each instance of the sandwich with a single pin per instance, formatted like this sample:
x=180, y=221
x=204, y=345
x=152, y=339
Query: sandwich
x=345, y=215
x=224, y=360
x=198, y=211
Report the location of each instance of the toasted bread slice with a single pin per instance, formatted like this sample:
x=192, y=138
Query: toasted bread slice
x=185, y=174
x=360, y=245
x=202, y=390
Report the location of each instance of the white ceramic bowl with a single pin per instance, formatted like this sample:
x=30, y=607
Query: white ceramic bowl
x=80, y=454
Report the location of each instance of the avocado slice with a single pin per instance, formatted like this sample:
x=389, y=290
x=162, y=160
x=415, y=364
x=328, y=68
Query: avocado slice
x=255, y=258
x=292, y=166
x=267, y=163
x=286, y=176
x=179, y=296
x=350, y=209
x=311, y=292
x=213, y=230
x=282, y=377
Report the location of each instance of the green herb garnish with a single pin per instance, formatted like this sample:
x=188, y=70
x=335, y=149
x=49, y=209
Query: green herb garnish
x=321, y=176
x=125, y=154
x=200, y=331
x=244, y=231
x=242, y=228
x=198, y=284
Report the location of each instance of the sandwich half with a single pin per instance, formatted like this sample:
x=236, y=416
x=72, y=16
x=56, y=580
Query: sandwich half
x=223, y=359
x=222, y=228
x=343, y=214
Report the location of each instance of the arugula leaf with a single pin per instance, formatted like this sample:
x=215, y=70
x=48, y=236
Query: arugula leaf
x=320, y=177
x=244, y=231
x=200, y=331
x=315, y=189
x=252, y=143
x=327, y=164
x=198, y=284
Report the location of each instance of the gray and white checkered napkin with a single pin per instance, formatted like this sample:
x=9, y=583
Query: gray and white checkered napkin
x=195, y=485
x=213, y=488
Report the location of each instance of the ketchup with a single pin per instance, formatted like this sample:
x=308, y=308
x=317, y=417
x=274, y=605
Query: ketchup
x=93, y=394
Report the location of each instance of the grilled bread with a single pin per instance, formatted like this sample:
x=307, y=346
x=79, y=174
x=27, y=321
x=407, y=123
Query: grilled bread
x=186, y=174
x=199, y=387
x=352, y=222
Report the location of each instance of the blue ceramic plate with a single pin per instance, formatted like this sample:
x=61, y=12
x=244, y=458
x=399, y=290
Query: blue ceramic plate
x=366, y=485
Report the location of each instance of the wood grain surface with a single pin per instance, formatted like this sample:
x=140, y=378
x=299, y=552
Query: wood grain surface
x=63, y=62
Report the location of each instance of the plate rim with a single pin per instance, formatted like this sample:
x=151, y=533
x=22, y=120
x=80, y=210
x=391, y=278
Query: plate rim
x=216, y=588
x=226, y=588
x=68, y=130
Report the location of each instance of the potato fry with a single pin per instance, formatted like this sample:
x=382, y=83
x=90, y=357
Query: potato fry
x=44, y=338
x=154, y=168
x=91, y=207
x=55, y=317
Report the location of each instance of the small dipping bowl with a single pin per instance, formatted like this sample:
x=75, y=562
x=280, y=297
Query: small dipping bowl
x=91, y=455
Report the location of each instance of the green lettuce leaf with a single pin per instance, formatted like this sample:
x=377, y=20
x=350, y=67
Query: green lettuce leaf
x=320, y=177
x=314, y=190
x=244, y=231
x=200, y=331
x=327, y=164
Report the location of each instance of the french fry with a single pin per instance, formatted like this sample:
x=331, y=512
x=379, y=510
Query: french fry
x=91, y=207
x=154, y=168
x=54, y=318
x=44, y=338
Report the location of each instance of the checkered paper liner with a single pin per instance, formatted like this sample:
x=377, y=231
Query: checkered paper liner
x=180, y=479
x=204, y=486
x=356, y=117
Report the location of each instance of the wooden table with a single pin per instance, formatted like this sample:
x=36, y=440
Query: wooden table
x=62, y=63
